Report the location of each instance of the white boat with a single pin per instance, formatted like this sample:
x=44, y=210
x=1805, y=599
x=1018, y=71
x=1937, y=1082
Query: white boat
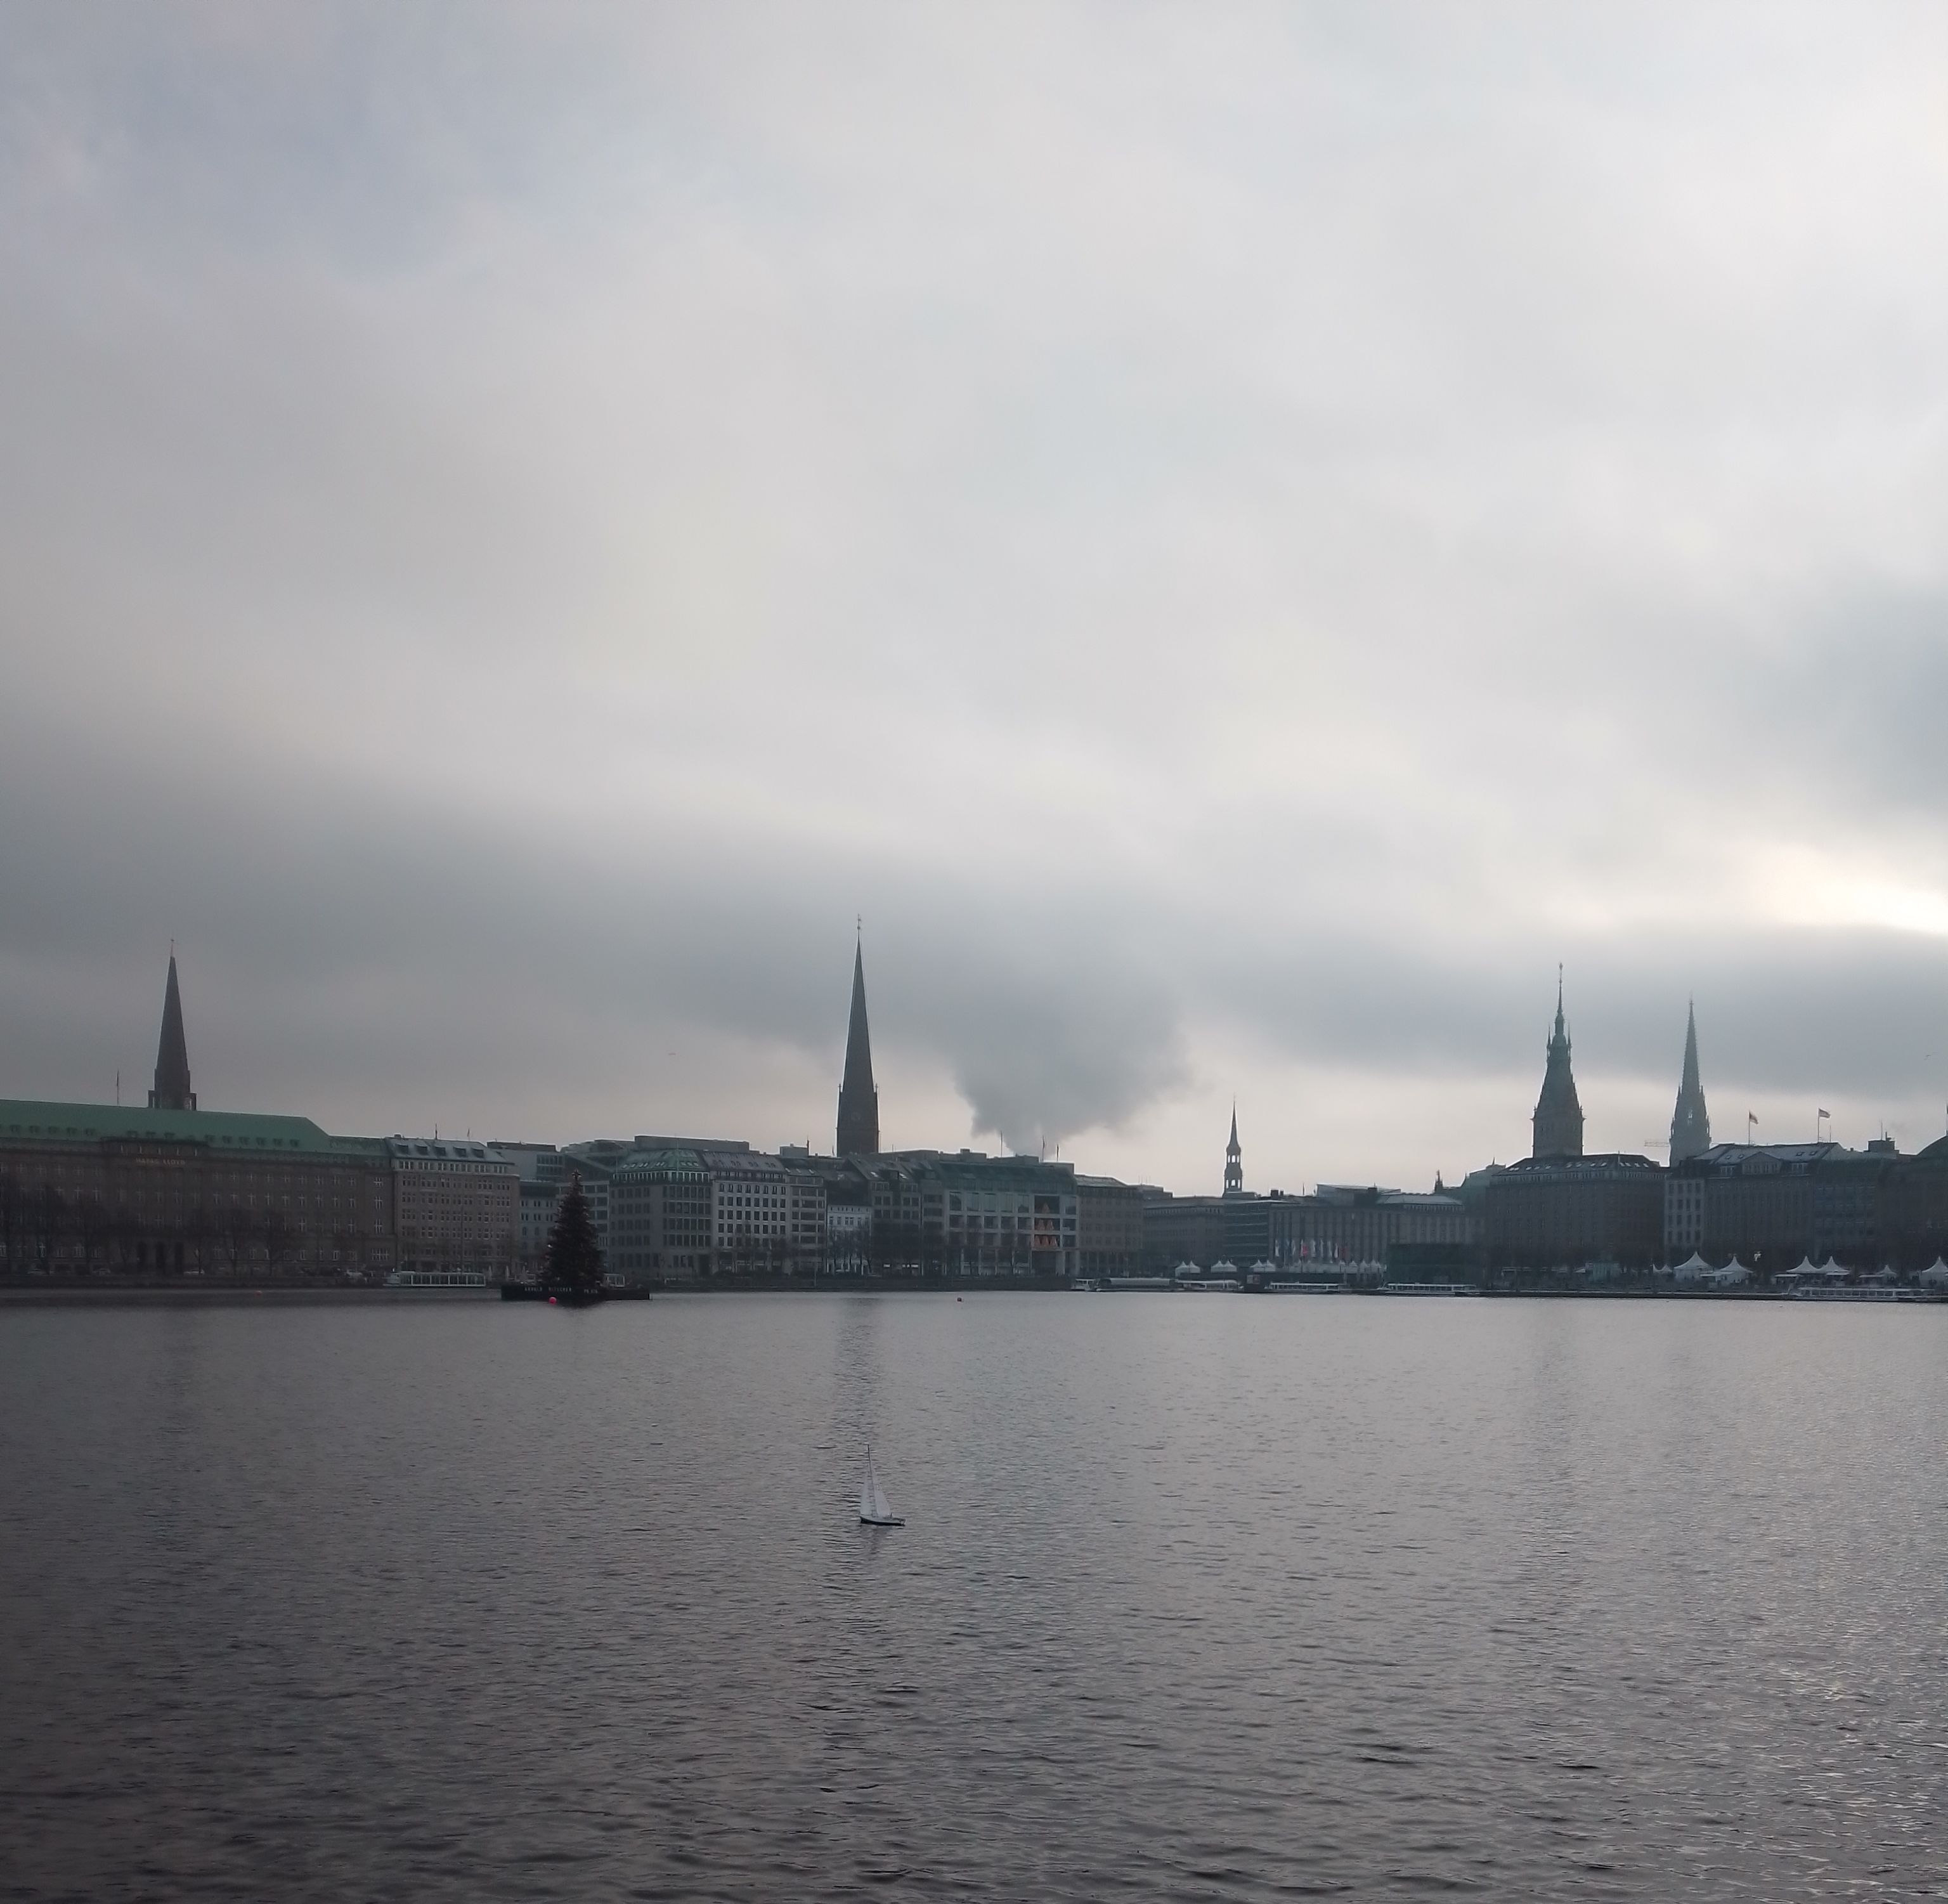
x=873, y=1508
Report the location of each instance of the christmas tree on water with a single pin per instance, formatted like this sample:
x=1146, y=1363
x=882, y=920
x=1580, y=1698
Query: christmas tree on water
x=574, y=1256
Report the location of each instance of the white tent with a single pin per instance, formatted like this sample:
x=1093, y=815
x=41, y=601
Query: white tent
x=1693, y=1268
x=1734, y=1272
x=1831, y=1268
x=1936, y=1274
x=1805, y=1266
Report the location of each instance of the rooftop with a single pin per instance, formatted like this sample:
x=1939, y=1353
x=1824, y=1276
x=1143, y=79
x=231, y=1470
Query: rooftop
x=30, y=1120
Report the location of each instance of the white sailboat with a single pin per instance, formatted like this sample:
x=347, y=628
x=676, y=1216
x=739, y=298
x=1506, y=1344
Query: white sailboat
x=873, y=1508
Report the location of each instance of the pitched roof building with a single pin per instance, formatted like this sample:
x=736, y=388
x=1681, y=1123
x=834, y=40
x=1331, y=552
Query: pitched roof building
x=858, y=1101
x=1690, y=1123
x=1558, y=1117
x=172, y=1092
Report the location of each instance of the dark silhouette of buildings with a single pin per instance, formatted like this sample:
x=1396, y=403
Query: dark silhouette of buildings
x=1770, y=1204
x=1690, y=1123
x=1562, y=1211
x=97, y=1188
x=172, y=1190
x=172, y=1092
x=1913, y=1228
x=1339, y=1224
x=1110, y=1227
x=858, y=1101
x=1558, y=1117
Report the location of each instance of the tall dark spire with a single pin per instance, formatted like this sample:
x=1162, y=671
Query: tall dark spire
x=172, y=1092
x=1690, y=1123
x=858, y=1101
x=1234, y=1159
x=1559, y=1117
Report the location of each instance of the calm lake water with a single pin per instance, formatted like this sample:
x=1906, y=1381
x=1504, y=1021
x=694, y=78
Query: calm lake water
x=1200, y=1597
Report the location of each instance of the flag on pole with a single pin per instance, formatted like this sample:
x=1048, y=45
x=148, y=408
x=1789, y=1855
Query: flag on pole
x=1826, y=1114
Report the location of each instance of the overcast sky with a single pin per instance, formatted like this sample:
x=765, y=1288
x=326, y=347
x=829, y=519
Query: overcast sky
x=1237, y=538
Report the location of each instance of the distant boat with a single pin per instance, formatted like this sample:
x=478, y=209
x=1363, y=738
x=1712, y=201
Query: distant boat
x=873, y=1508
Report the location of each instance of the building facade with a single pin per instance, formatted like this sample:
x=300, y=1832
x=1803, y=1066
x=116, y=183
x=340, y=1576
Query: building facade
x=1109, y=1227
x=457, y=1208
x=171, y=1189
x=1913, y=1226
x=661, y=1215
x=538, y=1191
x=1184, y=1229
x=1342, y=1223
x=1564, y=1213
x=1772, y=1204
x=103, y=1188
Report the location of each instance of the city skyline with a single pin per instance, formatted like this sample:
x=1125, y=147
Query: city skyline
x=1237, y=541
x=857, y=1131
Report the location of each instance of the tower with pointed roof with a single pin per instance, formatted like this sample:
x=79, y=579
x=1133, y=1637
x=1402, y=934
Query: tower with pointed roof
x=1558, y=1117
x=858, y=1101
x=172, y=1092
x=1690, y=1123
x=1234, y=1161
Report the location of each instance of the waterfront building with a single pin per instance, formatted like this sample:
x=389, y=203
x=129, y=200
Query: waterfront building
x=536, y=1203
x=1344, y=1223
x=763, y=1217
x=661, y=1214
x=683, y=1207
x=1184, y=1229
x=1771, y=1204
x=1690, y=1123
x=594, y=1161
x=837, y=1202
x=456, y=1207
x=539, y=1187
x=849, y=1228
x=1913, y=1227
x=858, y=1133
x=1565, y=1211
x=964, y=1213
x=1109, y=1227
x=1558, y=1121
x=171, y=1189
x=110, y=1188
x=1336, y=1223
x=1234, y=1161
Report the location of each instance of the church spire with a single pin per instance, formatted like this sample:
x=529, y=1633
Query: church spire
x=1234, y=1159
x=1690, y=1123
x=858, y=1101
x=1558, y=1117
x=172, y=1092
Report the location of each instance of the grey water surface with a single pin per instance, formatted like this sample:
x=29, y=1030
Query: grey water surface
x=1199, y=1596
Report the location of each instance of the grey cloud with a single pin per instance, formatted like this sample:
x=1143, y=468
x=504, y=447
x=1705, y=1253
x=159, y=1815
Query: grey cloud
x=1253, y=532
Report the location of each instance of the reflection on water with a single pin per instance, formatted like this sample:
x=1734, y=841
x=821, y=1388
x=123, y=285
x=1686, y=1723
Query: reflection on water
x=1223, y=1598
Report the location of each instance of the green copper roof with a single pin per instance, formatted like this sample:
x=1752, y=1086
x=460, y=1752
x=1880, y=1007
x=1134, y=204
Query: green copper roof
x=25, y=1120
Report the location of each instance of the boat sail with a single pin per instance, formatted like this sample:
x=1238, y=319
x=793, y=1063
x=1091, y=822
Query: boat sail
x=873, y=1508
